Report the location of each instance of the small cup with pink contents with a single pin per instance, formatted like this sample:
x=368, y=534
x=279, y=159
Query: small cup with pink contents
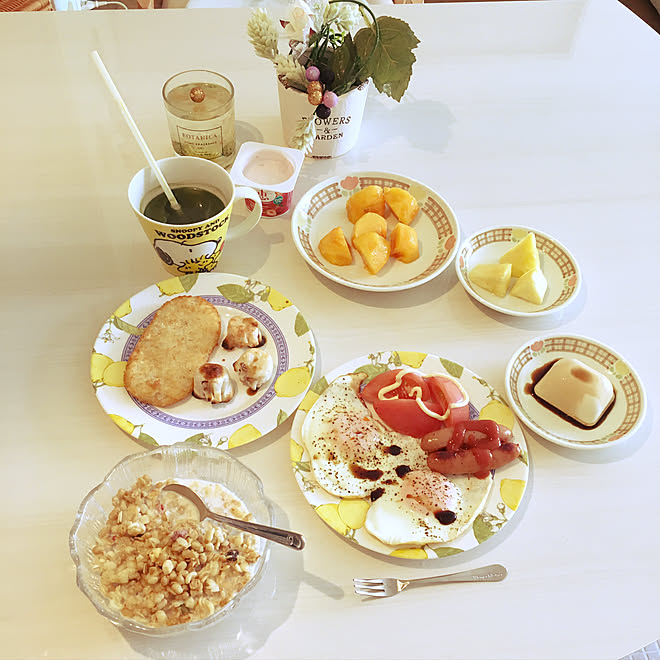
x=272, y=171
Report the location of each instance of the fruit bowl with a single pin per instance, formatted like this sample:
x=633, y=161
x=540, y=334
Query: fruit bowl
x=323, y=208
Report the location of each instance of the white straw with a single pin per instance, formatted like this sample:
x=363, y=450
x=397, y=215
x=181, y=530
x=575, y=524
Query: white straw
x=135, y=130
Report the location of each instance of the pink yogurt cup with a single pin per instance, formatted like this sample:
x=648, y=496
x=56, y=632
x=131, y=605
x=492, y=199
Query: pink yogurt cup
x=272, y=171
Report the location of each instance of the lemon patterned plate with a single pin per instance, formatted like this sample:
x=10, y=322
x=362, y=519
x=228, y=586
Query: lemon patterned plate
x=347, y=515
x=560, y=268
x=323, y=207
x=620, y=422
x=247, y=416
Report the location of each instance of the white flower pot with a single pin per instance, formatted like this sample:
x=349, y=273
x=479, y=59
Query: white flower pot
x=335, y=135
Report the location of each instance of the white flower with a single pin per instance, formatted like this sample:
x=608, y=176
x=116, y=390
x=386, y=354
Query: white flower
x=298, y=21
x=319, y=8
x=294, y=72
x=345, y=15
x=304, y=135
x=262, y=34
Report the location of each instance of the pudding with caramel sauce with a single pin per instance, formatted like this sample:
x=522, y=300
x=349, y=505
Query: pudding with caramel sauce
x=574, y=390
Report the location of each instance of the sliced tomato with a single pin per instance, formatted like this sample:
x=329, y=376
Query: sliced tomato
x=446, y=392
x=409, y=382
x=399, y=409
x=405, y=416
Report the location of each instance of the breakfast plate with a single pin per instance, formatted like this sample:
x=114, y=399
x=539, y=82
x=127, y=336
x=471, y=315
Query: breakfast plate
x=248, y=415
x=560, y=268
x=323, y=208
x=623, y=418
x=347, y=515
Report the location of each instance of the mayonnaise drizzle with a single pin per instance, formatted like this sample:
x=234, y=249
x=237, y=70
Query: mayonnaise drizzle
x=417, y=393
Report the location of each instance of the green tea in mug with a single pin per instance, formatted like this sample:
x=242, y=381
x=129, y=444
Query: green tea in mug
x=197, y=205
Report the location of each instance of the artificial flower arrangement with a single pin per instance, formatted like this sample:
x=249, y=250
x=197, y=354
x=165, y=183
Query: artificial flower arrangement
x=327, y=60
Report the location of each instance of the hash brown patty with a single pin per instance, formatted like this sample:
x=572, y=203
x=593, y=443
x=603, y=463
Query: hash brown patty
x=181, y=337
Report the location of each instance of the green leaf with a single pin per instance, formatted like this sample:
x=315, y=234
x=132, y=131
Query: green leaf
x=320, y=386
x=446, y=552
x=371, y=370
x=195, y=439
x=188, y=281
x=453, y=369
x=345, y=63
x=126, y=327
x=482, y=530
x=147, y=439
x=390, y=65
x=281, y=416
x=236, y=293
x=300, y=326
x=303, y=466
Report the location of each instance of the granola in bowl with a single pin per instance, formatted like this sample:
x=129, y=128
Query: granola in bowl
x=144, y=559
x=160, y=565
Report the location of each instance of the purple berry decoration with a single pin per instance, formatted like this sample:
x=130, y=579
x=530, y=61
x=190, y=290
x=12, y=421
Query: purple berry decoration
x=327, y=77
x=322, y=111
x=312, y=73
x=330, y=99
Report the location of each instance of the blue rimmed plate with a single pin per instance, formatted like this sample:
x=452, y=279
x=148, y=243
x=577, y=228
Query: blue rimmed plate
x=248, y=416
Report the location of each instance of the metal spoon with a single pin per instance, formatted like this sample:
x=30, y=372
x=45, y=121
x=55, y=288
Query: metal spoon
x=281, y=536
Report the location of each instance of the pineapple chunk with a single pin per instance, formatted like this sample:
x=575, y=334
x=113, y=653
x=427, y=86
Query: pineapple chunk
x=370, y=222
x=334, y=247
x=523, y=256
x=365, y=200
x=374, y=250
x=403, y=204
x=404, y=246
x=531, y=286
x=492, y=277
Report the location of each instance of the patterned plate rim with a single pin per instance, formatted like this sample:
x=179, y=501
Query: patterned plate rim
x=554, y=249
x=293, y=343
x=435, y=207
x=625, y=379
x=496, y=513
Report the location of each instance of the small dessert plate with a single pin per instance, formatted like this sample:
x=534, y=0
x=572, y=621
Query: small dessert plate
x=557, y=263
x=623, y=418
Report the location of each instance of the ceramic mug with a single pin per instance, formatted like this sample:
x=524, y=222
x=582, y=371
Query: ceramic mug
x=193, y=247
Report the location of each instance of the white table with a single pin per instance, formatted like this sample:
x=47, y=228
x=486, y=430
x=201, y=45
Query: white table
x=544, y=114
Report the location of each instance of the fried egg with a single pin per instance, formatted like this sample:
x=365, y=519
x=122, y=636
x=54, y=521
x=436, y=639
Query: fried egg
x=352, y=454
x=427, y=508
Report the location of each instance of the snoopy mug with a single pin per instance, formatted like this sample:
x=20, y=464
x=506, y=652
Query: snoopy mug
x=191, y=240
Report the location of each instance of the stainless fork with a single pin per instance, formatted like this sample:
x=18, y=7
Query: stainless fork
x=382, y=587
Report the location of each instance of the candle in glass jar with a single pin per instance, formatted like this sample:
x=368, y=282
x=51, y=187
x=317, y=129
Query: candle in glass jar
x=200, y=114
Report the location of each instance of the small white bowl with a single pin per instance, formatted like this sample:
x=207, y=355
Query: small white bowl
x=183, y=461
x=323, y=207
x=559, y=267
x=621, y=421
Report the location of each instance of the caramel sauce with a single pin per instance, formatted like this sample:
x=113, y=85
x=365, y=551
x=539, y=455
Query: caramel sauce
x=362, y=473
x=583, y=375
x=375, y=494
x=445, y=517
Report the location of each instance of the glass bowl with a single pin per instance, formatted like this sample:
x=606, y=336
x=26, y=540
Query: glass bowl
x=182, y=461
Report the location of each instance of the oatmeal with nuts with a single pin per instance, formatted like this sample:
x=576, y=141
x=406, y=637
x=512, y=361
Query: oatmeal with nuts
x=160, y=565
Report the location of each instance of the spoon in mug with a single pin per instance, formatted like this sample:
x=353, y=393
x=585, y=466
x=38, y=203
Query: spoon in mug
x=281, y=536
